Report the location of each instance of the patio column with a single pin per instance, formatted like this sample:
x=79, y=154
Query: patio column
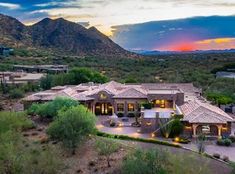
x=93, y=108
x=174, y=107
x=219, y=130
x=194, y=130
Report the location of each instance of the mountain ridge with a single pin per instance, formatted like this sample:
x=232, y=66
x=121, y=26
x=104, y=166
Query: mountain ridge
x=58, y=35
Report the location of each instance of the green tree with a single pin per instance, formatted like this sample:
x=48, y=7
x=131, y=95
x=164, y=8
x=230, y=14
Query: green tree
x=176, y=128
x=51, y=109
x=145, y=162
x=46, y=82
x=72, y=126
x=16, y=93
x=106, y=147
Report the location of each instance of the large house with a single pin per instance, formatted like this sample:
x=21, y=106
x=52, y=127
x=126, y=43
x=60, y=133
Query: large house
x=166, y=100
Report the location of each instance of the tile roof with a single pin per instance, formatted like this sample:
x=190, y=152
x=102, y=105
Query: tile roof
x=131, y=93
x=202, y=112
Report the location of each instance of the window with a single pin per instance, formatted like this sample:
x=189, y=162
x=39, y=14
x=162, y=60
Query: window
x=103, y=96
x=131, y=107
x=120, y=107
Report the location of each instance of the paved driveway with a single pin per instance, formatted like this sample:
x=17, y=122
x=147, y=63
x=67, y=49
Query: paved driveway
x=210, y=148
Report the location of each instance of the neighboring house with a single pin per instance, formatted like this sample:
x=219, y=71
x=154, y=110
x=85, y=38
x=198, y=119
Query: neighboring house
x=20, y=77
x=166, y=99
x=54, y=69
x=225, y=74
x=4, y=51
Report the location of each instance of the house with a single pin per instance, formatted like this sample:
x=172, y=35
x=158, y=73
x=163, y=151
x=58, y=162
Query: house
x=18, y=78
x=166, y=100
x=53, y=69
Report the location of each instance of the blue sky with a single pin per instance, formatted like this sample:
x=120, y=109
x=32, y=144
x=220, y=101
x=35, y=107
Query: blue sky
x=106, y=14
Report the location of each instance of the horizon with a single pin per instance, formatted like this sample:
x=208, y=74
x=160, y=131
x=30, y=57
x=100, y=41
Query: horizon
x=125, y=20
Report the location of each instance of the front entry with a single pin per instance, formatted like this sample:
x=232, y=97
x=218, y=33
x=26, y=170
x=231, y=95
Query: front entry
x=103, y=109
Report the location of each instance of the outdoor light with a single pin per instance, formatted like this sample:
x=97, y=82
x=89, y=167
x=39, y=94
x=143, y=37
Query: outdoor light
x=177, y=139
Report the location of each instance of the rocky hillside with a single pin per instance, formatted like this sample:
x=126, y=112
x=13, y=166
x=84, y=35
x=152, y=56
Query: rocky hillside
x=59, y=35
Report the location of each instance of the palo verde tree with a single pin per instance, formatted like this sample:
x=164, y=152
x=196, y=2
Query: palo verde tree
x=72, y=126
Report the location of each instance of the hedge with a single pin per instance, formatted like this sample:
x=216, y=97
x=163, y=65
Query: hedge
x=125, y=137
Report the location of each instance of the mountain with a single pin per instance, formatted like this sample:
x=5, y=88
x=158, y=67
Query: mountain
x=59, y=35
x=155, y=53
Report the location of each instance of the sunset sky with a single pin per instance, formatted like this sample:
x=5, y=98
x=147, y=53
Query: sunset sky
x=112, y=16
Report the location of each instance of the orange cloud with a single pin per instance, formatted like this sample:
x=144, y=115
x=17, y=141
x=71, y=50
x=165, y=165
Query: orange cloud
x=218, y=44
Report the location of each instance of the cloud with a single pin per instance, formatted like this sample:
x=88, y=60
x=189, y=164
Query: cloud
x=10, y=6
x=197, y=32
x=84, y=24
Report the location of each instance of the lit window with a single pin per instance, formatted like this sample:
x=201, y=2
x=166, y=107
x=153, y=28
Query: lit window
x=120, y=107
x=157, y=102
x=103, y=96
x=131, y=107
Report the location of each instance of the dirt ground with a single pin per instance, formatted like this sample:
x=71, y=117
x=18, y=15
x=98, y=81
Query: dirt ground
x=88, y=161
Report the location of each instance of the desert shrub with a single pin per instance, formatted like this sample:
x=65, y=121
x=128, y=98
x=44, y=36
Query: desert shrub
x=72, y=126
x=120, y=114
x=224, y=142
x=176, y=128
x=112, y=124
x=16, y=158
x=130, y=115
x=15, y=121
x=145, y=162
x=106, y=147
x=216, y=155
x=220, y=142
x=187, y=163
x=232, y=138
x=227, y=142
x=51, y=109
x=16, y=93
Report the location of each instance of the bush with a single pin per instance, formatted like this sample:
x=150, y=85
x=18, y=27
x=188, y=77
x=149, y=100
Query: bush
x=130, y=115
x=224, y=142
x=227, y=142
x=232, y=138
x=72, y=126
x=16, y=93
x=220, y=142
x=147, y=105
x=112, y=124
x=125, y=137
x=120, y=114
x=176, y=128
x=106, y=147
x=51, y=109
x=145, y=162
x=15, y=121
x=216, y=155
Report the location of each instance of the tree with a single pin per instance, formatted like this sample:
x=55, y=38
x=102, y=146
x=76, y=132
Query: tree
x=84, y=75
x=145, y=162
x=52, y=108
x=176, y=128
x=46, y=82
x=106, y=147
x=72, y=126
x=16, y=93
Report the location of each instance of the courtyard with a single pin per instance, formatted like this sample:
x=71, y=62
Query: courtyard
x=126, y=129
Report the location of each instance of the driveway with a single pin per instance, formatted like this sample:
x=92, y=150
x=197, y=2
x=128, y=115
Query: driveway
x=210, y=147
